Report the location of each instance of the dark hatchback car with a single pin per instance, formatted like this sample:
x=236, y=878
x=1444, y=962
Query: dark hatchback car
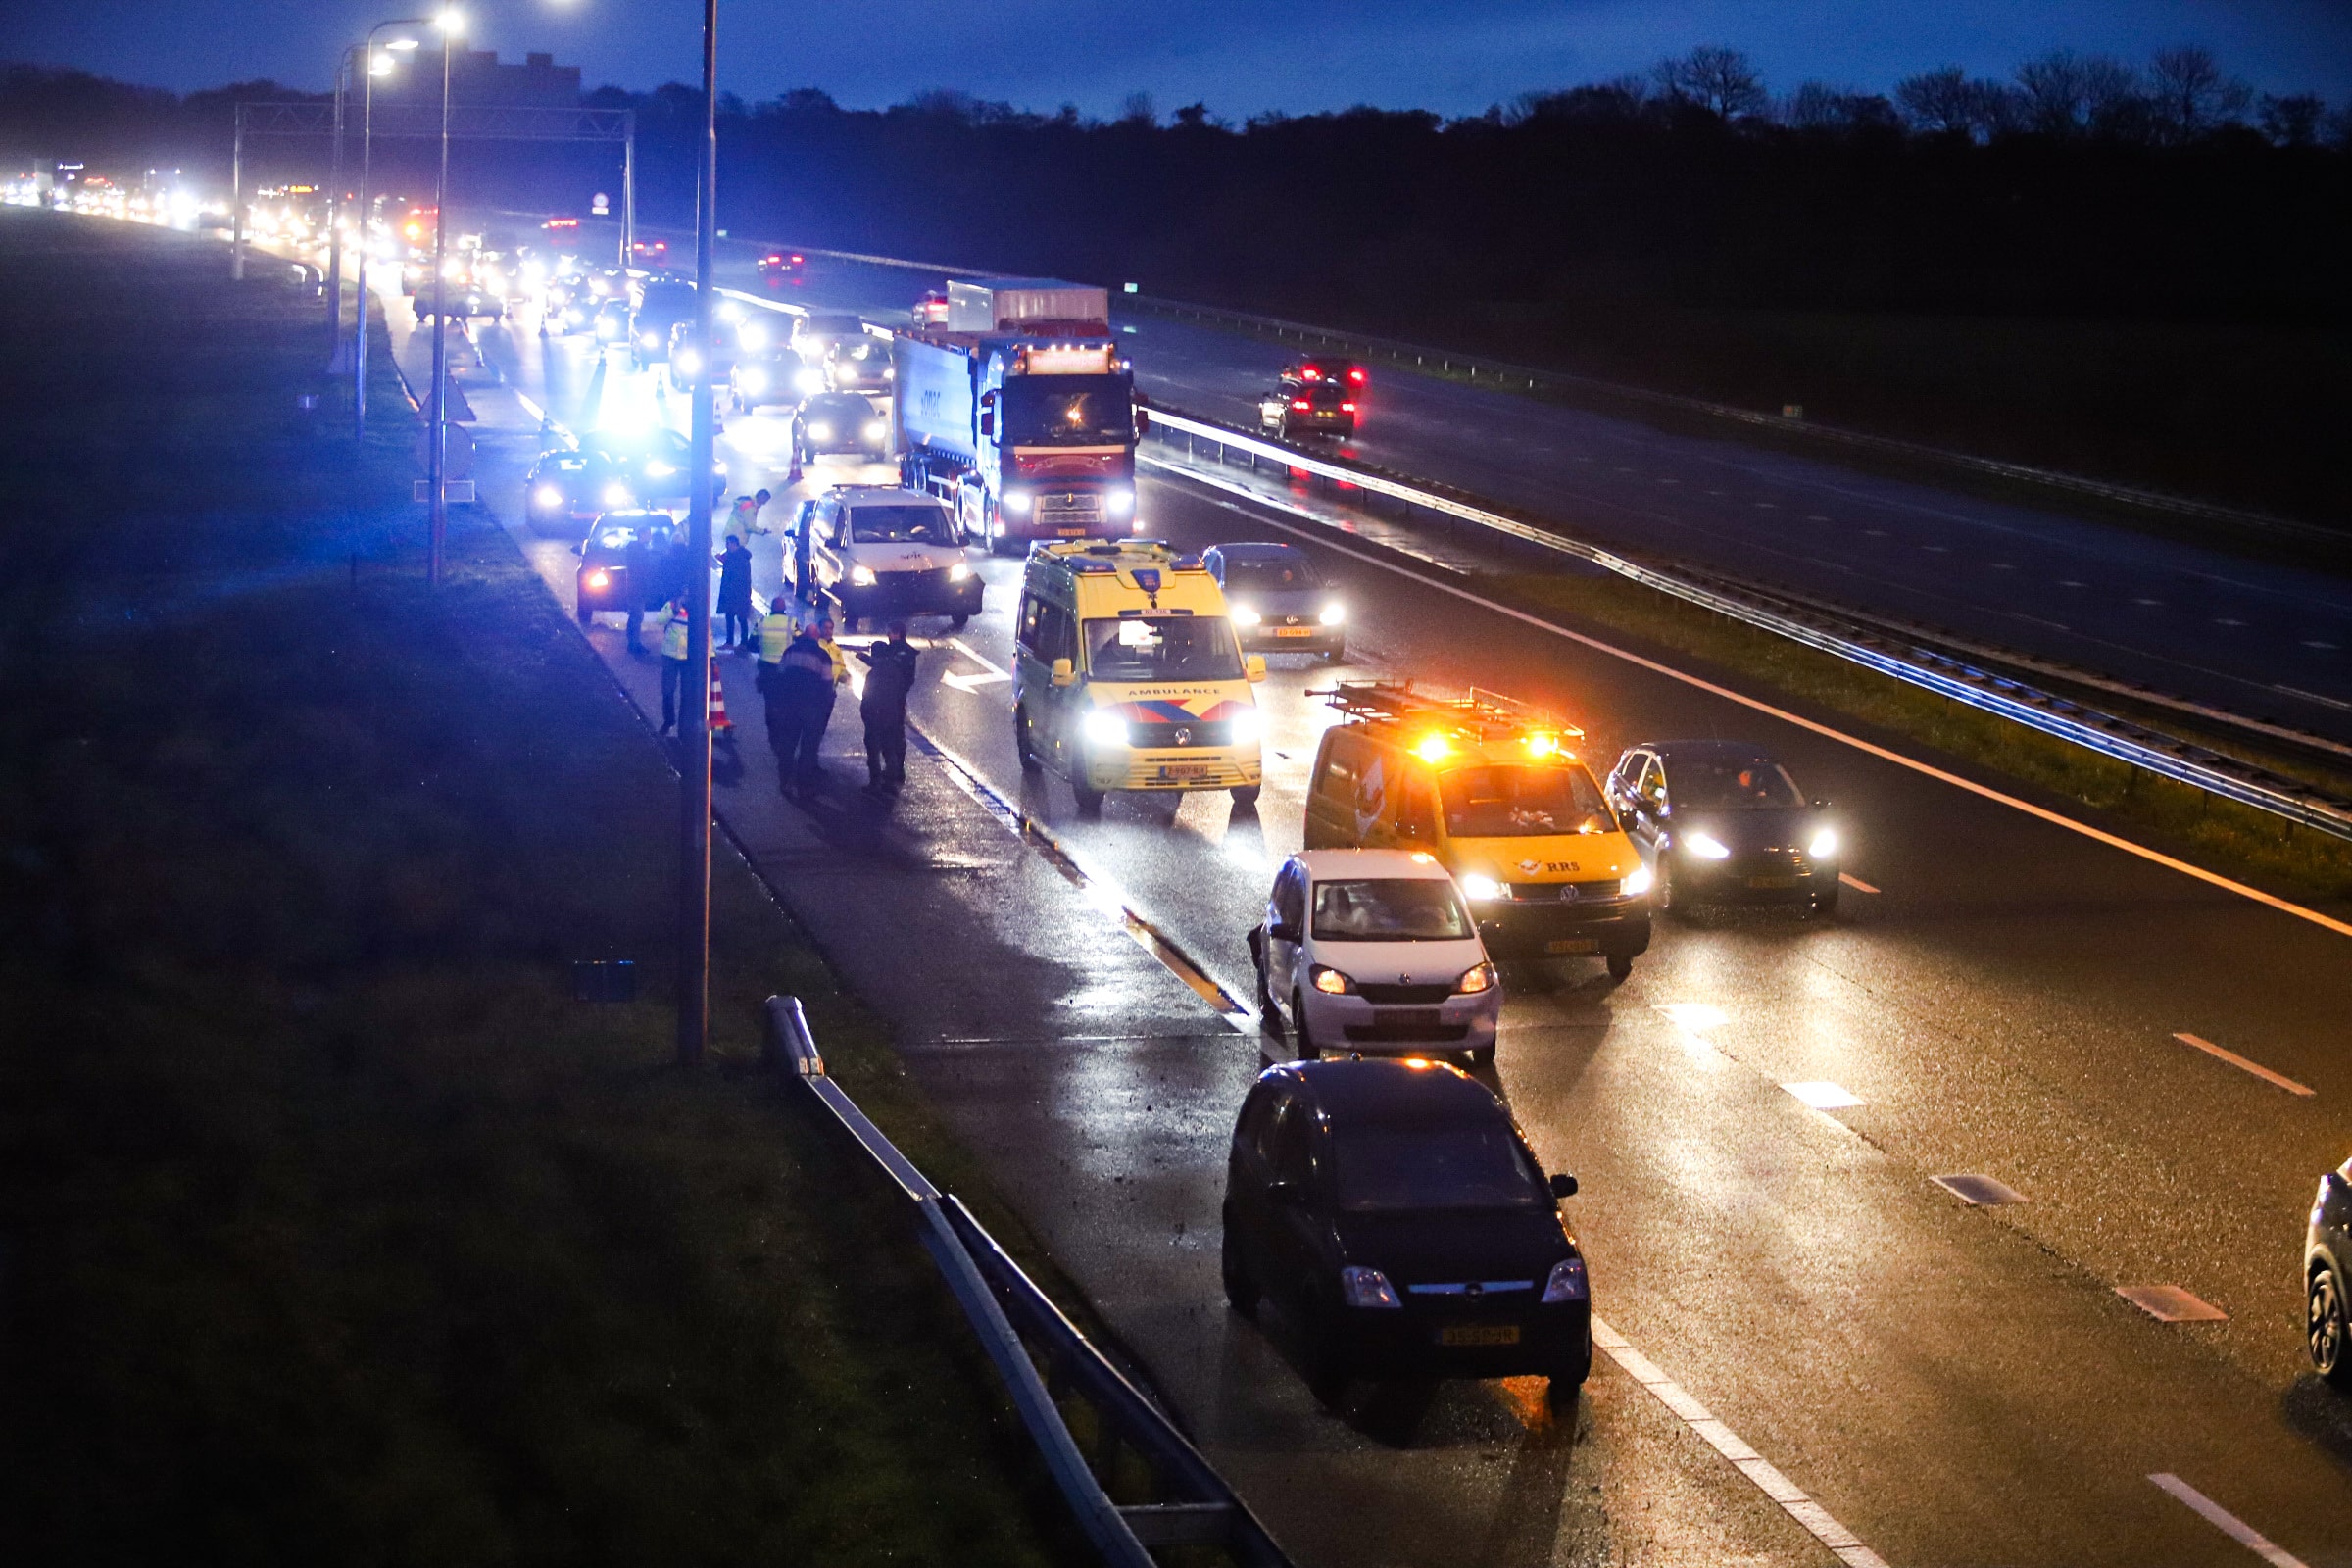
x=859, y=365
x=1393, y=1213
x=780, y=270
x=1313, y=408
x=1721, y=822
x=602, y=584
x=1324, y=367
x=772, y=377
x=1278, y=602
x=840, y=421
x=2327, y=1269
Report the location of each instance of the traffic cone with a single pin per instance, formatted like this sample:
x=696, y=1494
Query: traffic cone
x=720, y=721
x=794, y=477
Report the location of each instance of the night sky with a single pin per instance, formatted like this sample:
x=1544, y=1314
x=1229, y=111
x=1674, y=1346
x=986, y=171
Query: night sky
x=1240, y=56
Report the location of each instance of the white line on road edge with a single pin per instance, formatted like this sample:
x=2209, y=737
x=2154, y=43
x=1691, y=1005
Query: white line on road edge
x=1723, y=1440
x=2235, y=1060
x=1855, y=882
x=1321, y=534
x=2227, y=1523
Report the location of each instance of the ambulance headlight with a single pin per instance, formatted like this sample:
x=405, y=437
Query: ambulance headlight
x=1104, y=728
x=1705, y=845
x=1245, y=726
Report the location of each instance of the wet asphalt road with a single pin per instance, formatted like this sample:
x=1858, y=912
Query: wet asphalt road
x=1953, y=1385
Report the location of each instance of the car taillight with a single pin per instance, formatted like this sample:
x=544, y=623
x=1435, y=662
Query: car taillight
x=1346, y=408
x=1301, y=403
x=775, y=258
x=796, y=261
x=1309, y=373
x=1357, y=377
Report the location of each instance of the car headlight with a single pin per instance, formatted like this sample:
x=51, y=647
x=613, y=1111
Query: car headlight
x=1244, y=615
x=752, y=380
x=1705, y=845
x=751, y=336
x=1245, y=726
x=658, y=469
x=1102, y=727
x=648, y=340
x=1567, y=1282
x=1824, y=844
x=1481, y=889
x=810, y=380
x=875, y=430
x=962, y=571
x=616, y=494
x=1332, y=614
x=687, y=362
x=821, y=431
x=890, y=372
x=862, y=576
x=597, y=579
x=1367, y=1287
x=1324, y=978
x=548, y=496
x=1475, y=981
x=1637, y=882
x=1017, y=501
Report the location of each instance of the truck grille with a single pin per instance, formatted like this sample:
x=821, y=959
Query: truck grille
x=1069, y=509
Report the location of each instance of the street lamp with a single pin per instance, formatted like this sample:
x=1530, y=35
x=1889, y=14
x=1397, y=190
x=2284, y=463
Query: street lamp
x=450, y=23
x=694, y=732
x=379, y=64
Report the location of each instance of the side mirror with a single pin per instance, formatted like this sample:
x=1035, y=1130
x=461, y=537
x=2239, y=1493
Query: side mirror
x=1281, y=931
x=988, y=421
x=1563, y=1185
x=1254, y=667
x=579, y=548
x=1064, y=672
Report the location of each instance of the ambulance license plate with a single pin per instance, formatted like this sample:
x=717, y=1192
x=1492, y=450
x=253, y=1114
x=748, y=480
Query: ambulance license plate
x=1293, y=631
x=1571, y=945
x=1772, y=881
x=1480, y=1333
x=1183, y=770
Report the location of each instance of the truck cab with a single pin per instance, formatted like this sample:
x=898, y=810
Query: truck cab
x=1127, y=674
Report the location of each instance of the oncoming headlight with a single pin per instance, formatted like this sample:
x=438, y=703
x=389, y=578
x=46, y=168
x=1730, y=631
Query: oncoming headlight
x=1017, y=501
x=1244, y=615
x=1705, y=845
x=1121, y=502
x=1332, y=614
x=875, y=430
x=821, y=431
x=1824, y=844
x=1102, y=727
x=862, y=576
x=1637, y=882
x=810, y=379
x=616, y=494
x=658, y=469
x=549, y=495
x=1481, y=889
x=752, y=380
x=962, y=571
x=1246, y=727
x=1475, y=981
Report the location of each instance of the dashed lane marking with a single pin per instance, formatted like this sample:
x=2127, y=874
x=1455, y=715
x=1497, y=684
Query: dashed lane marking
x=2227, y=1523
x=1822, y=1095
x=1766, y=1478
x=2169, y=1303
x=1855, y=882
x=1322, y=535
x=2224, y=1054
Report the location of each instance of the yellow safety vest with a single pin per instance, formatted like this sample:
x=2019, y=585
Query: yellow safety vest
x=776, y=632
x=841, y=665
x=673, y=638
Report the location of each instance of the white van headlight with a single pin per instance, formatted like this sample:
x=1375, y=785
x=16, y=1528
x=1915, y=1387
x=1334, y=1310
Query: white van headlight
x=1103, y=727
x=962, y=571
x=1481, y=889
x=862, y=576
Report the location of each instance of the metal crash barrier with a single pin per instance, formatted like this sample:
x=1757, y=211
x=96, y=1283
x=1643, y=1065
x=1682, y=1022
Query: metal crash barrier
x=1022, y=1329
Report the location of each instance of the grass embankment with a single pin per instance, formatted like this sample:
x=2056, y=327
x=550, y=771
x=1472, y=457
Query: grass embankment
x=2221, y=834
x=332, y=1229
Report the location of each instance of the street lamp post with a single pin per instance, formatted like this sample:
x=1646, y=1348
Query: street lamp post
x=377, y=65
x=694, y=731
x=437, y=439
x=334, y=227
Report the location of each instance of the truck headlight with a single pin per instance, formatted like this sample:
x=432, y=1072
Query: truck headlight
x=1121, y=502
x=1102, y=727
x=752, y=380
x=1481, y=889
x=1638, y=883
x=548, y=497
x=1017, y=501
x=1705, y=845
x=1244, y=615
x=1245, y=726
x=862, y=576
x=1567, y=1282
x=1332, y=614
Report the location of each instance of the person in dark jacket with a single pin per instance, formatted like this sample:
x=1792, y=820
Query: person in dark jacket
x=798, y=692
x=891, y=670
x=641, y=580
x=735, y=593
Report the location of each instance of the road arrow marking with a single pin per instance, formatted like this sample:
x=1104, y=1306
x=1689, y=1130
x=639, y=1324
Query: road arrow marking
x=992, y=676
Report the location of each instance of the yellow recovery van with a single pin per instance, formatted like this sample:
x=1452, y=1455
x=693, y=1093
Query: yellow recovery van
x=1128, y=676
x=1493, y=789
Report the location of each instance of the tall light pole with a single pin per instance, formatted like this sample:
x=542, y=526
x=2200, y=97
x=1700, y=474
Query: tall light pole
x=334, y=212
x=377, y=65
x=694, y=732
x=450, y=23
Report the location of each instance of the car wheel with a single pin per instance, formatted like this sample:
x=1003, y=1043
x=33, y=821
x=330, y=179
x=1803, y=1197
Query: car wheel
x=1325, y=1369
x=1307, y=1050
x=1825, y=905
x=2325, y=1332
x=586, y=614
x=959, y=622
x=1090, y=801
x=1244, y=794
x=1482, y=1057
x=1567, y=1381
x=1619, y=966
x=1024, y=745
x=1241, y=1290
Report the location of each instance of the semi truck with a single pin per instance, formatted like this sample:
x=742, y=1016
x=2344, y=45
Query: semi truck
x=1019, y=412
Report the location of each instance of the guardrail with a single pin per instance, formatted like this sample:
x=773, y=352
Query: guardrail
x=1925, y=669
x=1010, y=1315
x=1531, y=378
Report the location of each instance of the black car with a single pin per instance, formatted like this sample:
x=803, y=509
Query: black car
x=1393, y=1213
x=565, y=489
x=1721, y=822
x=2326, y=1270
x=840, y=421
x=1313, y=408
x=659, y=307
x=687, y=363
x=1326, y=370
x=602, y=584
x=779, y=269
x=461, y=297
x=610, y=323
x=859, y=365
x=776, y=378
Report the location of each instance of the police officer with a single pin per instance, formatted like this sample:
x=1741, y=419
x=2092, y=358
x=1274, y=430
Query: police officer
x=891, y=669
x=798, y=691
x=673, y=664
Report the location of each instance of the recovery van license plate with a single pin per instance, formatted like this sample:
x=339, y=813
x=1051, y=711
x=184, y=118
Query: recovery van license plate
x=1480, y=1333
x=1571, y=945
x=1772, y=881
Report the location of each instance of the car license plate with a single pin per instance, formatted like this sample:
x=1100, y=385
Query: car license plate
x=1406, y=1021
x=1480, y=1333
x=1293, y=631
x=1571, y=945
x=1772, y=881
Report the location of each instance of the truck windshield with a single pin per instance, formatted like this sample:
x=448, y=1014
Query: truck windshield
x=1162, y=647
x=1510, y=801
x=1068, y=411
x=926, y=526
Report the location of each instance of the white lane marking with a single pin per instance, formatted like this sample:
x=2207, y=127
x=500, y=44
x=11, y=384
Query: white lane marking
x=2224, y=1054
x=1822, y=1095
x=1855, y=882
x=1696, y=1017
x=1766, y=1478
x=530, y=408
x=2227, y=1523
x=1980, y=1192
x=1322, y=536
x=972, y=683
x=2169, y=1303
x=2314, y=697
x=2326, y=647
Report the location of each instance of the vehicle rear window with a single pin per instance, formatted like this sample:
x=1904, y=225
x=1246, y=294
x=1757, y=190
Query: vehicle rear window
x=1755, y=785
x=1457, y=1165
x=1511, y=801
x=906, y=524
x=1390, y=909
x=1282, y=575
x=1162, y=647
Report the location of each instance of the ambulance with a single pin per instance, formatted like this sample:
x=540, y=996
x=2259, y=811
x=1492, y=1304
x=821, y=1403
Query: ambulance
x=1495, y=790
x=1128, y=676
